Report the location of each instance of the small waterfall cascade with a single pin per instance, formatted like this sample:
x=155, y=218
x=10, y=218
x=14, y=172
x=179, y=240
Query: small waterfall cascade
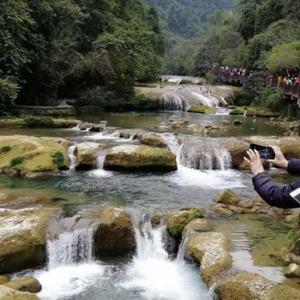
x=72, y=157
x=203, y=154
x=100, y=161
x=182, y=98
x=71, y=248
x=182, y=249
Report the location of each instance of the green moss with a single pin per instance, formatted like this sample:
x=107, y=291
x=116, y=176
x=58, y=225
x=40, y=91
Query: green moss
x=58, y=159
x=17, y=161
x=176, y=231
x=39, y=122
x=5, y=149
x=202, y=109
x=254, y=111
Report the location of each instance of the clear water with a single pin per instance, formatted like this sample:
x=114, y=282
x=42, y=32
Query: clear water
x=150, y=274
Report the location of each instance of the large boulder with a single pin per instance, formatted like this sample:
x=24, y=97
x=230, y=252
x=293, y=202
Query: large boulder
x=7, y=293
x=86, y=155
x=228, y=197
x=140, y=158
x=292, y=270
x=23, y=237
x=211, y=250
x=25, y=284
x=250, y=286
x=32, y=156
x=237, y=149
x=153, y=141
x=114, y=232
x=199, y=225
x=177, y=221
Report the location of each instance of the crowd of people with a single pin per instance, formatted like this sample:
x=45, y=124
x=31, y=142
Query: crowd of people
x=288, y=81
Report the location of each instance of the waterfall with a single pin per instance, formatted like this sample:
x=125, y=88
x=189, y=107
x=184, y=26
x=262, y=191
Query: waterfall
x=202, y=154
x=100, y=172
x=71, y=248
x=72, y=157
x=155, y=275
x=181, y=99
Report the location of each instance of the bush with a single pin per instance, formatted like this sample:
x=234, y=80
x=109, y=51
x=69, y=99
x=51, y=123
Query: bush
x=5, y=149
x=39, y=122
x=272, y=99
x=211, y=78
x=17, y=161
x=58, y=159
x=241, y=98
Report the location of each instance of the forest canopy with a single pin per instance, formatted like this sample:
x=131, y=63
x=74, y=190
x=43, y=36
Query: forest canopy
x=254, y=35
x=51, y=50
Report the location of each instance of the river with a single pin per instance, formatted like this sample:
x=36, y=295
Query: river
x=72, y=271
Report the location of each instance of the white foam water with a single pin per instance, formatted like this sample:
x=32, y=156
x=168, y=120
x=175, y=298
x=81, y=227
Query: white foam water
x=100, y=172
x=211, y=170
x=71, y=269
x=72, y=157
x=158, y=277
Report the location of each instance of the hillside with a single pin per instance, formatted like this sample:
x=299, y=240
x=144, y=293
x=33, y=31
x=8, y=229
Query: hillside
x=185, y=17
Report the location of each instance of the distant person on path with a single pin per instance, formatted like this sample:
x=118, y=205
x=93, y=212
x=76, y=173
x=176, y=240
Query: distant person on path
x=272, y=193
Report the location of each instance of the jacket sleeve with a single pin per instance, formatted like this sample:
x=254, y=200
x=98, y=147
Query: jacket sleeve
x=294, y=167
x=274, y=194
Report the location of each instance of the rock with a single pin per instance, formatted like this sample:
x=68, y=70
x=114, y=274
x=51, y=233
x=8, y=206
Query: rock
x=196, y=225
x=26, y=156
x=25, y=284
x=4, y=279
x=140, y=158
x=236, y=209
x=237, y=123
x=222, y=209
x=115, y=232
x=11, y=294
x=292, y=270
x=176, y=221
x=237, y=149
x=23, y=237
x=86, y=155
x=250, y=286
x=211, y=250
x=245, y=204
x=170, y=244
x=134, y=134
x=202, y=109
x=296, y=247
x=154, y=141
x=156, y=219
x=228, y=197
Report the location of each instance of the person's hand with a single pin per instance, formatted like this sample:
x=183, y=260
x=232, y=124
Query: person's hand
x=255, y=162
x=279, y=161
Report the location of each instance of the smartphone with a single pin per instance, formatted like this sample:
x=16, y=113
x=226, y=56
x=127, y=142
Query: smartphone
x=296, y=195
x=264, y=152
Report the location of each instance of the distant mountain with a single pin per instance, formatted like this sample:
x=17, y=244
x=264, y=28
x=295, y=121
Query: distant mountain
x=185, y=17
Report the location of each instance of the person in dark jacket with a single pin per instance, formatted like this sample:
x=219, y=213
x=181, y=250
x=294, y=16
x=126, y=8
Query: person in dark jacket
x=272, y=193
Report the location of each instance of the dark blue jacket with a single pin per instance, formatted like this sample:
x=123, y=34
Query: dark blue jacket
x=276, y=195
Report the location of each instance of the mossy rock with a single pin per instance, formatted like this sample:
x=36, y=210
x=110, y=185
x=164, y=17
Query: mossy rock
x=177, y=221
x=202, y=109
x=254, y=111
x=140, y=158
x=251, y=286
x=23, y=237
x=228, y=197
x=25, y=284
x=7, y=293
x=153, y=141
x=31, y=155
x=211, y=250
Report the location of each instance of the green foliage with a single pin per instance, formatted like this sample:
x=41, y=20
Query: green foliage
x=272, y=99
x=38, y=122
x=255, y=35
x=292, y=235
x=202, y=109
x=284, y=57
x=57, y=49
x=17, y=161
x=58, y=159
x=5, y=149
x=241, y=97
